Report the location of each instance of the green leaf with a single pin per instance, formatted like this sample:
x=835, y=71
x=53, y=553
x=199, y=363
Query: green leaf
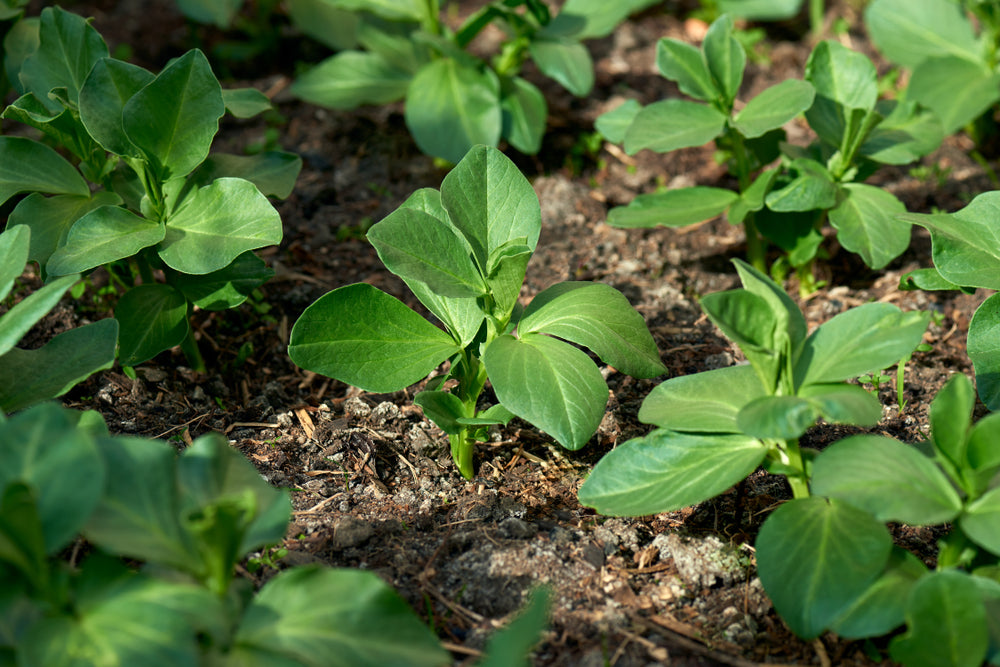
x=843, y=76
x=860, y=340
x=725, y=57
x=761, y=10
x=218, y=12
x=101, y=236
x=946, y=623
x=895, y=482
x=60, y=128
x=350, y=79
x=273, y=172
x=443, y=408
x=393, y=10
x=418, y=246
x=30, y=376
x=964, y=244
x=812, y=188
x=615, y=123
x=983, y=347
x=981, y=454
x=332, y=618
x=909, y=32
x=524, y=112
x=362, y=336
x=950, y=417
x=672, y=208
x=245, y=102
x=598, y=317
x=705, y=402
x=511, y=646
x=68, y=47
x=450, y=108
x=28, y=166
x=843, y=403
x=956, y=90
x=217, y=224
x=567, y=62
x=548, y=383
x=174, y=118
x=905, y=135
x=867, y=224
x=815, y=557
x=929, y=280
x=42, y=448
x=491, y=202
x=51, y=218
x=774, y=107
x=667, y=125
x=15, y=244
x=981, y=521
x=226, y=288
x=685, y=64
x=495, y=414
x=666, y=471
x=589, y=19
x=787, y=315
x=109, y=86
x=326, y=23
x=22, y=542
x=744, y=317
x=18, y=320
x=777, y=417
x=881, y=608
x=152, y=318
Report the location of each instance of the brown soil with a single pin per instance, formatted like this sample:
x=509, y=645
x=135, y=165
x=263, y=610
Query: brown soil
x=372, y=481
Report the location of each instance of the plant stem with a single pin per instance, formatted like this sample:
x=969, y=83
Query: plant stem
x=756, y=252
x=799, y=482
x=192, y=353
x=815, y=18
x=461, y=452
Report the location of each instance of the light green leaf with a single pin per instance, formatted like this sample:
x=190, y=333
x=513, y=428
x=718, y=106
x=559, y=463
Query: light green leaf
x=946, y=623
x=950, y=418
x=418, y=246
x=43, y=448
x=15, y=244
x=217, y=224
x=60, y=128
x=367, y=338
x=905, y=135
x=245, y=102
x=450, y=108
x=705, y=402
x=815, y=557
x=777, y=417
x=226, y=288
x=981, y=521
x=28, y=166
x=524, y=112
x=672, y=208
x=393, y=10
x=983, y=347
x=323, y=617
x=840, y=403
x=615, y=123
x=774, y=107
x=105, y=234
x=598, y=317
x=860, y=340
x=929, y=280
x=18, y=320
x=30, y=376
x=685, y=64
x=273, y=172
x=867, y=224
x=68, y=47
x=956, y=90
x=548, y=383
x=567, y=62
x=173, y=119
x=109, y=86
x=725, y=57
x=761, y=10
x=744, y=317
x=666, y=471
x=843, y=76
x=788, y=316
x=350, y=79
x=909, y=32
x=881, y=608
x=153, y=318
x=667, y=125
x=895, y=483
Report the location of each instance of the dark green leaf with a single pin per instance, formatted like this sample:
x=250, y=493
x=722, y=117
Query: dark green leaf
x=725, y=57
x=227, y=287
x=567, y=62
x=510, y=646
x=350, y=79
x=672, y=208
x=880, y=609
x=866, y=224
x=983, y=346
x=929, y=279
x=18, y=320
x=705, y=402
x=218, y=12
x=667, y=125
x=589, y=19
x=245, y=102
x=685, y=64
x=22, y=541
x=812, y=188
x=28, y=166
x=777, y=417
x=745, y=318
x=152, y=318
x=524, y=113
x=109, y=86
x=950, y=418
x=15, y=244
x=905, y=135
x=274, y=172
x=443, y=408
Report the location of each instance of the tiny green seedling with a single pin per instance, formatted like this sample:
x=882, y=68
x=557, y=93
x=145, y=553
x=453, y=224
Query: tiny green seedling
x=463, y=252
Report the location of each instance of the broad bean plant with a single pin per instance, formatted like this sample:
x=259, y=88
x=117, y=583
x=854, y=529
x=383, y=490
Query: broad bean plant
x=404, y=50
x=175, y=226
x=463, y=251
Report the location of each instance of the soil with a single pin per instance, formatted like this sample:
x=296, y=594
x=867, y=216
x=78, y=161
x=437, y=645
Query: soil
x=371, y=479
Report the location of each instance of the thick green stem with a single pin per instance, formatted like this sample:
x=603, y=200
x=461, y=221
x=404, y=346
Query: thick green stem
x=756, y=252
x=815, y=18
x=471, y=380
x=192, y=353
x=461, y=452
x=798, y=479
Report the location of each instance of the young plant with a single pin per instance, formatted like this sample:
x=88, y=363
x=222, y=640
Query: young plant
x=30, y=376
x=191, y=519
x=715, y=428
x=176, y=226
x=955, y=72
x=966, y=255
x=828, y=562
x=463, y=252
x=454, y=100
x=712, y=75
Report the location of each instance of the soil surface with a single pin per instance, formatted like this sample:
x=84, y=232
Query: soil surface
x=372, y=480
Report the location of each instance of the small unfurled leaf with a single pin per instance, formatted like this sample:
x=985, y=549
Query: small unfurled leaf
x=568, y=62
x=548, y=383
x=350, y=79
x=706, y=402
x=667, y=125
x=673, y=208
x=524, y=112
x=774, y=107
x=816, y=557
x=685, y=64
x=867, y=224
x=152, y=318
x=106, y=234
x=28, y=166
x=367, y=338
x=895, y=483
x=666, y=471
x=598, y=317
x=615, y=123
x=450, y=108
x=946, y=623
x=725, y=57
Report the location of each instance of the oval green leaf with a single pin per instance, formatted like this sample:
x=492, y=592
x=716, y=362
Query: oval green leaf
x=667, y=125
x=673, y=208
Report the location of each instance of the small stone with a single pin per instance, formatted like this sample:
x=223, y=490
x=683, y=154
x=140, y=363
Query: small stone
x=516, y=529
x=350, y=532
x=356, y=408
